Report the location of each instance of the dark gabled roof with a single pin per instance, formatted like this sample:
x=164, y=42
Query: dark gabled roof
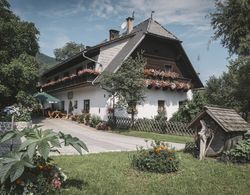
x=228, y=119
x=88, y=51
x=148, y=27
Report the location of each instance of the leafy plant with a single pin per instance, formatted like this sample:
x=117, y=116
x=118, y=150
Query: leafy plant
x=239, y=154
x=21, y=113
x=32, y=153
x=160, y=159
x=95, y=120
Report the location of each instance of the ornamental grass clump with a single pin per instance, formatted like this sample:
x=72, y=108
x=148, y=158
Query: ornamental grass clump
x=160, y=159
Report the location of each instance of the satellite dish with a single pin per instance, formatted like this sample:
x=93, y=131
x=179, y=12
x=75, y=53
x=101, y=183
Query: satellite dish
x=124, y=25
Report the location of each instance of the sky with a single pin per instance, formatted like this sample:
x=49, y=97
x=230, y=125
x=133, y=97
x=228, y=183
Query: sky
x=88, y=22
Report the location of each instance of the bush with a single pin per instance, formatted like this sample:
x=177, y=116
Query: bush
x=87, y=118
x=239, y=154
x=95, y=119
x=102, y=126
x=160, y=159
x=28, y=169
x=81, y=118
x=21, y=114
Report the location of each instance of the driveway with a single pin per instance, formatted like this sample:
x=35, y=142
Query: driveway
x=96, y=141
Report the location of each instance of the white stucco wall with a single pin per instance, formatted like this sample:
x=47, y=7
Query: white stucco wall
x=149, y=108
x=100, y=101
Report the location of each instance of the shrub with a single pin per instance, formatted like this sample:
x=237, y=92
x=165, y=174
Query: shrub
x=239, y=154
x=21, y=113
x=28, y=169
x=102, y=126
x=81, y=118
x=160, y=159
x=95, y=119
x=87, y=118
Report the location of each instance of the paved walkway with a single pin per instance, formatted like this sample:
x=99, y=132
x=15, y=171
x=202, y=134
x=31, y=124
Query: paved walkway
x=96, y=141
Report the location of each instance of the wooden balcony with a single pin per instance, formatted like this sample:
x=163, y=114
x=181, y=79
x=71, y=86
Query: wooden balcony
x=68, y=82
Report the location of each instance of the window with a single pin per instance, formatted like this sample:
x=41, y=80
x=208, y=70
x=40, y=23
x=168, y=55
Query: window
x=182, y=103
x=168, y=68
x=86, y=106
x=91, y=65
x=161, y=106
x=75, y=104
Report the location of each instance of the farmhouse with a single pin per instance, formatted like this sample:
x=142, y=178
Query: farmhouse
x=169, y=74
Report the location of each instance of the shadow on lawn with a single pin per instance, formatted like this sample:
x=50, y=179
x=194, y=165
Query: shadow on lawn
x=75, y=183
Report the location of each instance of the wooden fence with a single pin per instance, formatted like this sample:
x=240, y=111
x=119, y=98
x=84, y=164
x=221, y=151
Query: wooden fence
x=151, y=125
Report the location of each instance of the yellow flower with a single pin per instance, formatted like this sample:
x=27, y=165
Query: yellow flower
x=157, y=150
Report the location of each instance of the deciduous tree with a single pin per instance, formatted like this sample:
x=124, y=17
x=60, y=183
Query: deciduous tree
x=68, y=50
x=18, y=69
x=127, y=84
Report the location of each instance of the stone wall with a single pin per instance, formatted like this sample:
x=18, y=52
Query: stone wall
x=6, y=126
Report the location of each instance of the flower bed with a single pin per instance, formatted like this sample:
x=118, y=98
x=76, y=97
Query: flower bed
x=160, y=159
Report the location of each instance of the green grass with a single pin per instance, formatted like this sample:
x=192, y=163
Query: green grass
x=156, y=136
x=111, y=173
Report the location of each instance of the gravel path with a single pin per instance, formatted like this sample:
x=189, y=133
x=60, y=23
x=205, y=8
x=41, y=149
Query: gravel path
x=96, y=141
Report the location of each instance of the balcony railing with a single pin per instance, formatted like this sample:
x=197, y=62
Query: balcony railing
x=83, y=76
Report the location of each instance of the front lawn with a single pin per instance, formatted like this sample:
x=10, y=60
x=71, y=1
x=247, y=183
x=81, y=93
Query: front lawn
x=156, y=136
x=111, y=173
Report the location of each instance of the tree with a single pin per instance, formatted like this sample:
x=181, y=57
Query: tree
x=18, y=69
x=16, y=36
x=186, y=113
x=19, y=79
x=127, y=84
x=68, y=50
x=231, y=22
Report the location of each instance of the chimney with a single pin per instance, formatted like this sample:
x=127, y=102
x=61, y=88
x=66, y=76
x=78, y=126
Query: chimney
x=113, y=34
x=129, y=24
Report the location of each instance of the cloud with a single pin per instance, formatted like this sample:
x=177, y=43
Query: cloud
x=48, y=45
x=104, y=8
x=182, y=12
x=64, y=10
